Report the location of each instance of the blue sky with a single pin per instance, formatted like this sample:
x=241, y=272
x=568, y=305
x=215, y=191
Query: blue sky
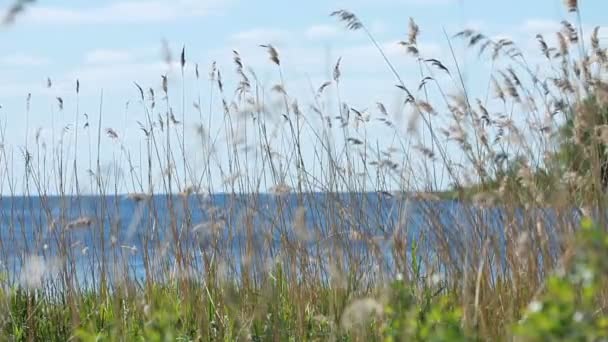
x=109, y=44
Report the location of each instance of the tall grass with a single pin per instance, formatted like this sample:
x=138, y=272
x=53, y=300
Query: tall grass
x=362, y=239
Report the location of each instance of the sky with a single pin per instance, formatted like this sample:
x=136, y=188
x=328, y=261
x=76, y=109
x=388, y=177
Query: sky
x=108, y=45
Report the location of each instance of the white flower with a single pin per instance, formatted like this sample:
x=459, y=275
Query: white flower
x=535, y=306
x=436, y=279
x=587, y=275
x=578, y=316
x=399, y=277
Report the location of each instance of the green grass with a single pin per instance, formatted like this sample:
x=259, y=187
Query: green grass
x=429, y=310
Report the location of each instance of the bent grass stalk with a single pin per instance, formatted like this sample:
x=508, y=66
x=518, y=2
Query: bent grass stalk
x=353, y=241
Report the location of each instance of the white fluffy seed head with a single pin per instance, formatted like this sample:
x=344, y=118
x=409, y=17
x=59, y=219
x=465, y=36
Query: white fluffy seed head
x=33, y=272
x=360, y=312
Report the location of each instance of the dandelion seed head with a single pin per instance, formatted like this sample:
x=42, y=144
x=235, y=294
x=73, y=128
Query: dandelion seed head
x=33, y=272
x=360, y=312
x=535, y=306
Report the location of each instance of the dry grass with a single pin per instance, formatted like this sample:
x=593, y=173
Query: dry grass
x=303, y=264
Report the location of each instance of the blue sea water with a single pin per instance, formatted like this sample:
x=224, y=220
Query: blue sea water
x=92, y=232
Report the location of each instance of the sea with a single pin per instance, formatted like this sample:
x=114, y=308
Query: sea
x=44, y=238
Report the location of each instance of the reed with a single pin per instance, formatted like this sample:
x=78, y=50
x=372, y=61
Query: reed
x=482, y=219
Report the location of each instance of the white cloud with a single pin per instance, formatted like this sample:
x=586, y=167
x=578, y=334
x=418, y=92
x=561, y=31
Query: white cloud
x=540, y=26
x=22, y=59
x=108, y=56
x=113, y=74
x=123, y=12
x=20, y=90
x=378, y=27
x=427, y=2
x=322, y=32
x=114, y=78
x=262, y=36
x=548, y=29
x=476, y=25
x=395, y=50
x=400, y=2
